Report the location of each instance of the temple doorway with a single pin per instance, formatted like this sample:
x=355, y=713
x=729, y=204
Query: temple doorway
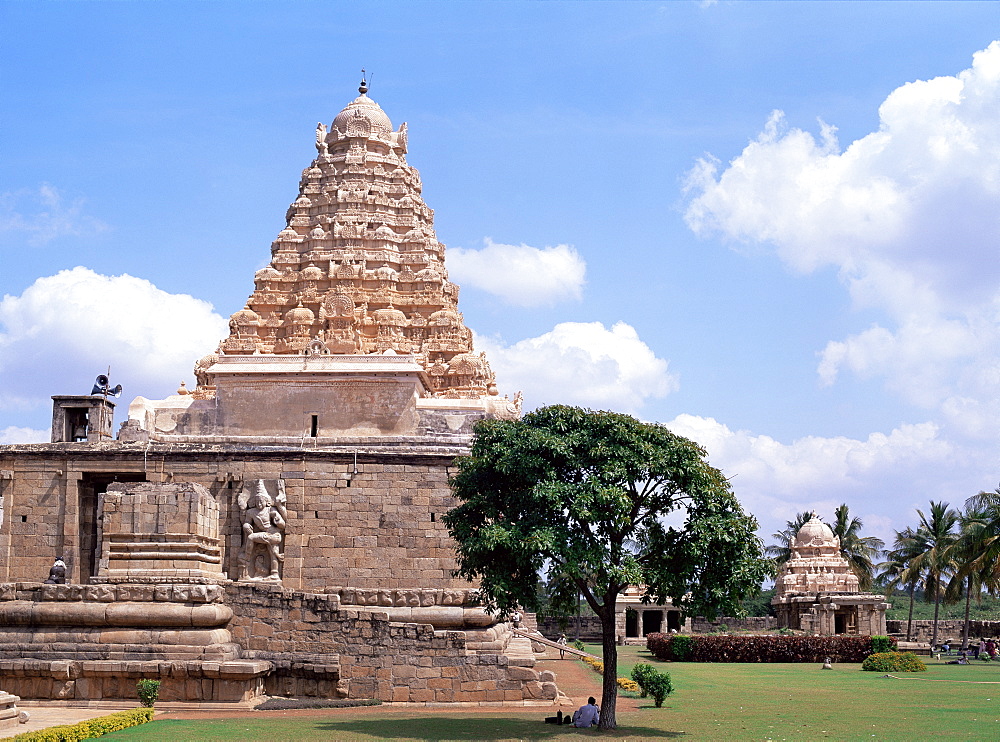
x=652, y=621
x=631, y=623
x=91, y=486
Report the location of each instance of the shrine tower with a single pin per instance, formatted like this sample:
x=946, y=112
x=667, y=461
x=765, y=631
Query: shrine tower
x=817, y=591
x=353, y=327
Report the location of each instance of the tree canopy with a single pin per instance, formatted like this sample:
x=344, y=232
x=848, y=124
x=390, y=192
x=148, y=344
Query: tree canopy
x=604, y=501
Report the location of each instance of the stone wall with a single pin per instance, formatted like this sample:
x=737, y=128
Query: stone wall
x=923, y=629
x=230, y=643
x=374, y=523
x=590, y=628
x=308, y=635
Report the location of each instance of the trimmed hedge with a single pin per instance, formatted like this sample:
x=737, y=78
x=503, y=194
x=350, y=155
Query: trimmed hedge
x=91, y=728
x=629, y=685
x=748, y=648
x=286, y=704
x=893, y=662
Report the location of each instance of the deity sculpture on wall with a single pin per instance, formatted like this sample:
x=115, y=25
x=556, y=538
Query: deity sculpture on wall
x=263, y=530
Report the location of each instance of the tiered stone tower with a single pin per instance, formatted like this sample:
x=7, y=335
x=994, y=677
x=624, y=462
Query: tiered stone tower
x=353, y=328
x=817, y=591
x=358, y=268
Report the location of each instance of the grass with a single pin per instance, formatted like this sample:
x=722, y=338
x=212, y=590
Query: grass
x=712, y=702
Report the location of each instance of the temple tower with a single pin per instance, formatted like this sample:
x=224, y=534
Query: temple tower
x=358, y=268
x=353, y=327
x=817, y=591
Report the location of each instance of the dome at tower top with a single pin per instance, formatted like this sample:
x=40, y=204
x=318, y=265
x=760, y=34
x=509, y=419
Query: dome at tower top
x=365, y=108
x=815, y=532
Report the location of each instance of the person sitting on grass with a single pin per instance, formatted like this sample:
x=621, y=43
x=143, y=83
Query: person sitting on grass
x=587, y=716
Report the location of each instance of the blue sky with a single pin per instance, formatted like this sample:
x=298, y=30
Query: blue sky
x=813, y=294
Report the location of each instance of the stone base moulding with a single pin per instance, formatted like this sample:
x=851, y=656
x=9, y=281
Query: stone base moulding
x=231, y=683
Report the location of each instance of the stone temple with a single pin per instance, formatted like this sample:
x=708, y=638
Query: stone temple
x=817, y=591
x=276, y=529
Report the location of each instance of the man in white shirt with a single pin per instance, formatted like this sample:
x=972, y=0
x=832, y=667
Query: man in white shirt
x=587, y=716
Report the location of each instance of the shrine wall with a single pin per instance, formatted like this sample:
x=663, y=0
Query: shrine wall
x=373, y=524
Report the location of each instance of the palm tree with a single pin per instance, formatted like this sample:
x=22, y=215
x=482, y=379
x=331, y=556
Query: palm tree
x=781, y=551
x=977, y=552
x=986, y=531
x=896, y=572
x=859, y=551
x=935, y=538
x=968, y=573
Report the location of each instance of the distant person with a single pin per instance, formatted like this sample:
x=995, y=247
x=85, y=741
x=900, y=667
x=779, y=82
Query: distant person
x=946, y=647
x=587, y=716
x=562, y=643
x=981, y=647
x=991, y=648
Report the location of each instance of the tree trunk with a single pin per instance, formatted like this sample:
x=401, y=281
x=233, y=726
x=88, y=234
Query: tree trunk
x=937, y=604
x=578, y=615
x=965, y=628
x=909, y=620
x=609, y=692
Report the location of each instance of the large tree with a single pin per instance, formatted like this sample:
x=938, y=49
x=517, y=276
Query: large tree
x=605, y=501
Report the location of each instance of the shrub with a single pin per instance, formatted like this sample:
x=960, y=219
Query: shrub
x=639, y=674
x=91, y=728
x=148, y=691
x=893, y=662
x=628, y=685
x=749, y=648
x=681, y=646
x=285, y=704
x=577, y=644
x=882, y=644
x=659, y=686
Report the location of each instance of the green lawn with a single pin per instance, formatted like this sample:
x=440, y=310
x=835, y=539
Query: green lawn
x=712, y=702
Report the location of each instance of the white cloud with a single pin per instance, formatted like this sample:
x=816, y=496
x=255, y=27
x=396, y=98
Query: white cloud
x=44, y=214
x=874, y=476
x=65, y=329
x=519, y=274
x=14, y=434
x=909, y=215
x=582, y=363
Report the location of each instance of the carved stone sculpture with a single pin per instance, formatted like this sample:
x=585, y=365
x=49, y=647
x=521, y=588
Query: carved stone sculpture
x=321, y=138
x=57, y=573
x=264, y=519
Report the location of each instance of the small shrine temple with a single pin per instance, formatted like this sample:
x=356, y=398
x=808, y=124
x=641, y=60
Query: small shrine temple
x=275, y=529
x=817, y=591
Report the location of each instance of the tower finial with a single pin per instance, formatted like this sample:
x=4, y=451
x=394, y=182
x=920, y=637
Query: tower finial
x=363, y=88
